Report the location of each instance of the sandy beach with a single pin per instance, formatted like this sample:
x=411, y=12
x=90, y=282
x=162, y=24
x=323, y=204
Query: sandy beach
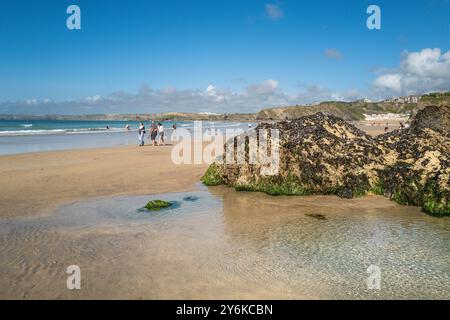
x=176, y=151
x=34, y=183
x=377, y=127
x=81, y=207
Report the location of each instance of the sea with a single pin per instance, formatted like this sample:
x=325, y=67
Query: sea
x=23, y=136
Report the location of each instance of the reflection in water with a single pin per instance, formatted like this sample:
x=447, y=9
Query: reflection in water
x=217, y=243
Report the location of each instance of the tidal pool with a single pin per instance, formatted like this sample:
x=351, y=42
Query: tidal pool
x=216, y=243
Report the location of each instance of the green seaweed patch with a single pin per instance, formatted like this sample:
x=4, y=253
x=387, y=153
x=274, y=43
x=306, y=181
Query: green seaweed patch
x=213, y=176
x=402, y=184
x=276, y=186
x=378, y=188
x=435, y=200
x=156, y=205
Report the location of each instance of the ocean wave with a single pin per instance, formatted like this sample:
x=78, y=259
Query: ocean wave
x=29, y=132
x=58, y=131
x=95, y=130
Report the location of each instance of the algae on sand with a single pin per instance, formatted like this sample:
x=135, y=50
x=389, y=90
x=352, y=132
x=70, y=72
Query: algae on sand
x=156, y=205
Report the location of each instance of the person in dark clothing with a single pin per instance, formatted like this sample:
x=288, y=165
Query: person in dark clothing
x=153, y=132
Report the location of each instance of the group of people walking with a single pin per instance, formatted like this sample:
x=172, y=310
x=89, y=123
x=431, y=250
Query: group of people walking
x=155, y=130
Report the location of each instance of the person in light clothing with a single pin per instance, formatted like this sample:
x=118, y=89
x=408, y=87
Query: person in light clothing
x=161, y=133
x=141, y=134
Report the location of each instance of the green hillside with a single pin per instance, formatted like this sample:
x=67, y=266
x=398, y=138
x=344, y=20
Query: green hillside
x=353, y=110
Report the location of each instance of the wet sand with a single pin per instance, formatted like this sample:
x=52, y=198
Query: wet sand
x=217, y=243
x=34, y=183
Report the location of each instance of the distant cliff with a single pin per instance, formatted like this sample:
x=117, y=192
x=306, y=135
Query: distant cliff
x=351, y=111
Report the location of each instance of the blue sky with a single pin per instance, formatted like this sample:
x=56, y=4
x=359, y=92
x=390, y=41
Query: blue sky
x=216, y=55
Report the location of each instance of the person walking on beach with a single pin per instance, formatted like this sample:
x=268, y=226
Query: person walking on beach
x=161, y=134
x=141, y=133
x=153, y=133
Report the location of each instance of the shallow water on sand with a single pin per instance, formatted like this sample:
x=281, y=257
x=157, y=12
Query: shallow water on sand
x=217, y=243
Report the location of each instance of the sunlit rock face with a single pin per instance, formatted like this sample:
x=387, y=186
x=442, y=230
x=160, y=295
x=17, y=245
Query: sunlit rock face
x=323, y=154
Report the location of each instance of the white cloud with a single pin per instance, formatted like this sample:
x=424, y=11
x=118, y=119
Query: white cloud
x=31, y=101
x=210, y=91
x=419, y=72
x=390, y=82
x=93, y=98
x=268, y=87
x=274, y=12
x=333, y=54
x=317, y=94
x=428, y=63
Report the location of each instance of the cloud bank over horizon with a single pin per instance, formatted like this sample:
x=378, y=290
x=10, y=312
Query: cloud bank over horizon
x=418, y=72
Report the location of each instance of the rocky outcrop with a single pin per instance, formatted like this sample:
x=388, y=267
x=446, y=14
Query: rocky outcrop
x=323, y=154
x=432, y=117
x=417, y=162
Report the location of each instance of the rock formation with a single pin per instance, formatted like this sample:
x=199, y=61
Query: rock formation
x=417, y=162
x=323, y=154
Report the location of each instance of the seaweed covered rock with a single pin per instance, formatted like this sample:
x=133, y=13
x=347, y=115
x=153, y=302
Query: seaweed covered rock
x=319, y=154
x=432, y=117
x=417, y=162
x=323, y=154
